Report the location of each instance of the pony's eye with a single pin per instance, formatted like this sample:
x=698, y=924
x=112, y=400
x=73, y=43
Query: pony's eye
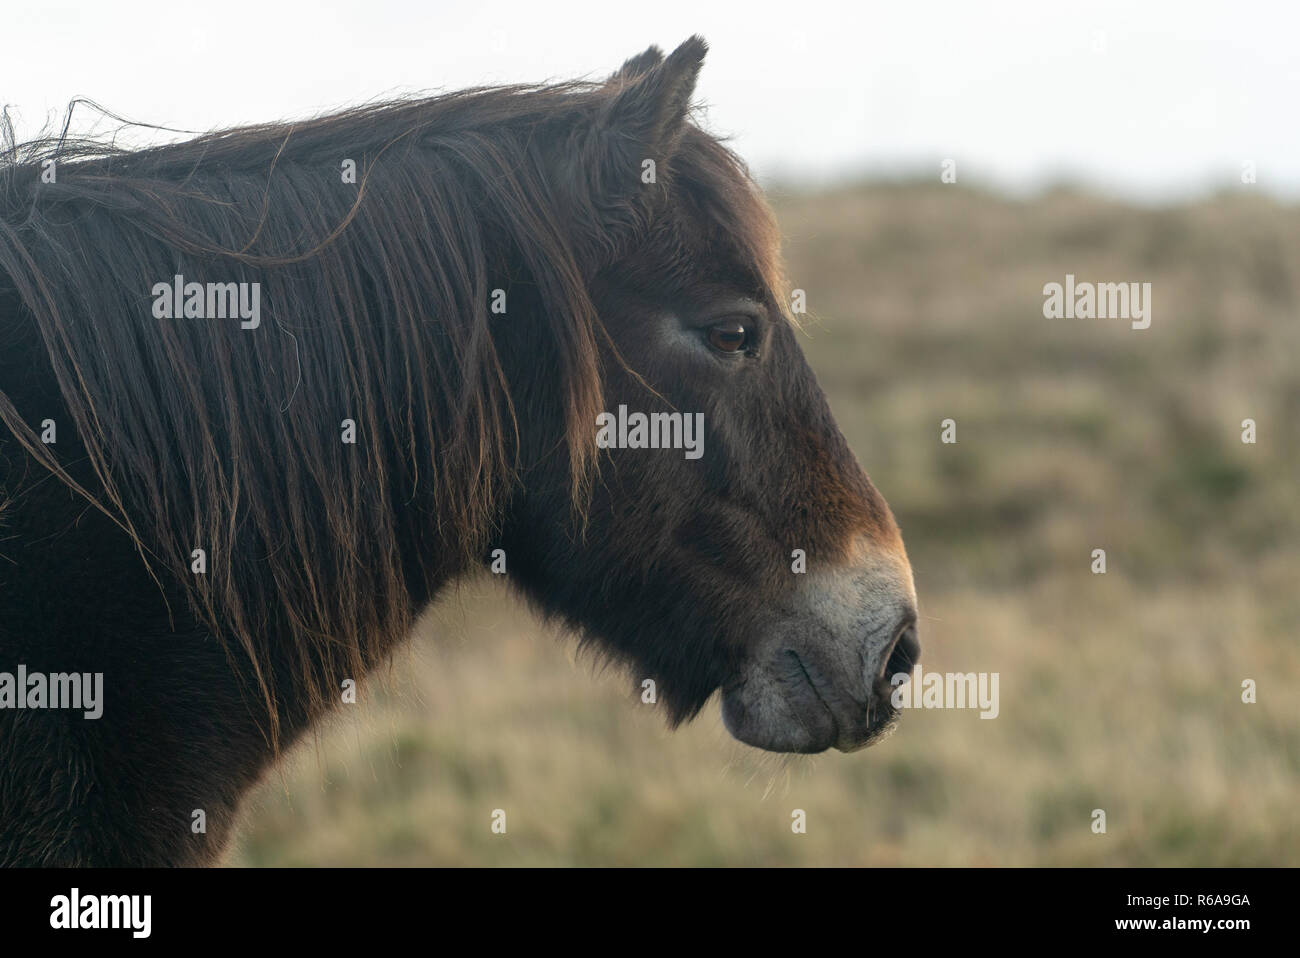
x=728, y=337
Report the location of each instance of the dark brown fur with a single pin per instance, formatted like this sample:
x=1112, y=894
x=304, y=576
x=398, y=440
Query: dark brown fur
x=474, y=431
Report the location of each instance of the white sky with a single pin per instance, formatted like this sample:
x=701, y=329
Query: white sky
x=1016, y=92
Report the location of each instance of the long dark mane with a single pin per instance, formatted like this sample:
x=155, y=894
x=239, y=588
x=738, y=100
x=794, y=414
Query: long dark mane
x=197, y=434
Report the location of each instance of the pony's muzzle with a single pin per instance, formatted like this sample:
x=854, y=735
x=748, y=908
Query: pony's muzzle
x=815, y=687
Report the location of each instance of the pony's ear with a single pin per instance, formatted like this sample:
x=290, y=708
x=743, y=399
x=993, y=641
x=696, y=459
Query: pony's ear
x=614, y=168
x=651, y=96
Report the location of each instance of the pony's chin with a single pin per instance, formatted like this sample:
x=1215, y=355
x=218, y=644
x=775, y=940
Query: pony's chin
x=777, y=726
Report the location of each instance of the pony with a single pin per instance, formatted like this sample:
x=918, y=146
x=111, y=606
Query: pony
x=265, y=393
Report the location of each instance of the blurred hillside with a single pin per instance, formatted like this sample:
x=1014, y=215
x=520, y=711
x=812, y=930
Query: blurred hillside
x=1118, y=691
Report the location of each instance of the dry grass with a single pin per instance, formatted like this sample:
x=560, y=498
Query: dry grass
x=1119, y=692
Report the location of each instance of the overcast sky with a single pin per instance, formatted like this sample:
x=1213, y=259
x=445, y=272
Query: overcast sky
x=1151, y=99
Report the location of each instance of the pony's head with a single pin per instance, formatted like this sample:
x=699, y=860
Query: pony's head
x=728, y=538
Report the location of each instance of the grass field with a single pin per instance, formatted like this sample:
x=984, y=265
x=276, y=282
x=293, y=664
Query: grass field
x=1119, y=692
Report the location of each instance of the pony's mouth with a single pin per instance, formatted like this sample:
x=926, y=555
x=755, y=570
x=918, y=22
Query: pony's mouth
x=851, y=734
x=793, y=702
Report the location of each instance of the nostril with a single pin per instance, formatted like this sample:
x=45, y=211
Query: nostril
x=904, y=653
